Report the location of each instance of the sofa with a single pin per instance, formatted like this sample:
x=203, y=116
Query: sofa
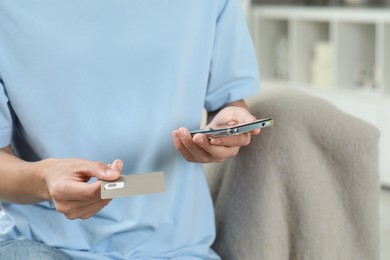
x=305, y=188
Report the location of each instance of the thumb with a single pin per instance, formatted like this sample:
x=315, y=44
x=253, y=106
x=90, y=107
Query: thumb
x=111, y=171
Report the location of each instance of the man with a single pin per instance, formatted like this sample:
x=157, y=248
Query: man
x=84, y=83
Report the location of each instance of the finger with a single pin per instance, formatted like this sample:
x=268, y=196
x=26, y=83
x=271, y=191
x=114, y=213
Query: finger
x=116, y=165
x=94, y=169
x=72, y=201
x=191, y=144
x=256, y=131
x=198, y=148
x=87, y=211
x=77, y=191
x=214, y=153
x=232, y=141
x=112, y=171
x=94, y=210
x=181, y=148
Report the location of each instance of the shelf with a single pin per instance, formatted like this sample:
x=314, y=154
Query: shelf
x=355, y=40
x=273, y=52
x=309, y=36
x=356, y=55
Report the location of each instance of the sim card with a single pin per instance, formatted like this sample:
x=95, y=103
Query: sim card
x=134, y=184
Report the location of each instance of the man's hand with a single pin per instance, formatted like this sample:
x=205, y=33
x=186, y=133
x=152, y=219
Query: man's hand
x=200, y=149
x=66, y=180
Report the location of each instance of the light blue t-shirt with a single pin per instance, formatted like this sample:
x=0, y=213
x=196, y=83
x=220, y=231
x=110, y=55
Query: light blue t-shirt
x=102, y=80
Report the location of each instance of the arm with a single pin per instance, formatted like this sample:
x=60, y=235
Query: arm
x=200, y=149
x=233, y=75
x=22, y=182
x=62, y=180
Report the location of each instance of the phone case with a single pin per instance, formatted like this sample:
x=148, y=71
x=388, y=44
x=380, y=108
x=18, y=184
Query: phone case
x=235, y=130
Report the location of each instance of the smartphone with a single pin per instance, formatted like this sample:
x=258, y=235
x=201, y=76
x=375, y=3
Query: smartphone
x=234, y=130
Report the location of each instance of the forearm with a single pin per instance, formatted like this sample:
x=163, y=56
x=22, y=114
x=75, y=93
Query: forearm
x=21, y=182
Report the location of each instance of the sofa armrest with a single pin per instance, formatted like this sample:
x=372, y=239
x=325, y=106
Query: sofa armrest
x=305, y=188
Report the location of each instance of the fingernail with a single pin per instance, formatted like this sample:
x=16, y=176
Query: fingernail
x=215, y=141
x=199, y=140
x=114, y=164
x=175, y=135
x=120, y=165
x=110, y=171
x=231, y=123
x=183, y=133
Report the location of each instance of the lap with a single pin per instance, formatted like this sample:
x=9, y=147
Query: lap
x=25, y=249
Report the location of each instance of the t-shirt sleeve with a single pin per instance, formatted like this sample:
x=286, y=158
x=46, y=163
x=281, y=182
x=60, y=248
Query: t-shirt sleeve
x=234, y=71
x=5, y=118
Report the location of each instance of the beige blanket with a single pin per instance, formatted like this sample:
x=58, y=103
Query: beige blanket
x=306, y=188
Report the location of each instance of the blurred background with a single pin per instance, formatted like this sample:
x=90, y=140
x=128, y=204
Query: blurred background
x=335, y=49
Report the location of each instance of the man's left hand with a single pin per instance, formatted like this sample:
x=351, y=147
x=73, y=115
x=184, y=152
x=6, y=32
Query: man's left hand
x=199, y=148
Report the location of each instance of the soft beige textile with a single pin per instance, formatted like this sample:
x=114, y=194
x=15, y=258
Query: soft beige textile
x=306, y=188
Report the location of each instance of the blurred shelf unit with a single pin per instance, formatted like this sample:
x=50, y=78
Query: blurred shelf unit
x=340, y=54
x=331, y=48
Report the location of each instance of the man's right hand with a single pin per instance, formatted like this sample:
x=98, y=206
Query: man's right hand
x=66, y=181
